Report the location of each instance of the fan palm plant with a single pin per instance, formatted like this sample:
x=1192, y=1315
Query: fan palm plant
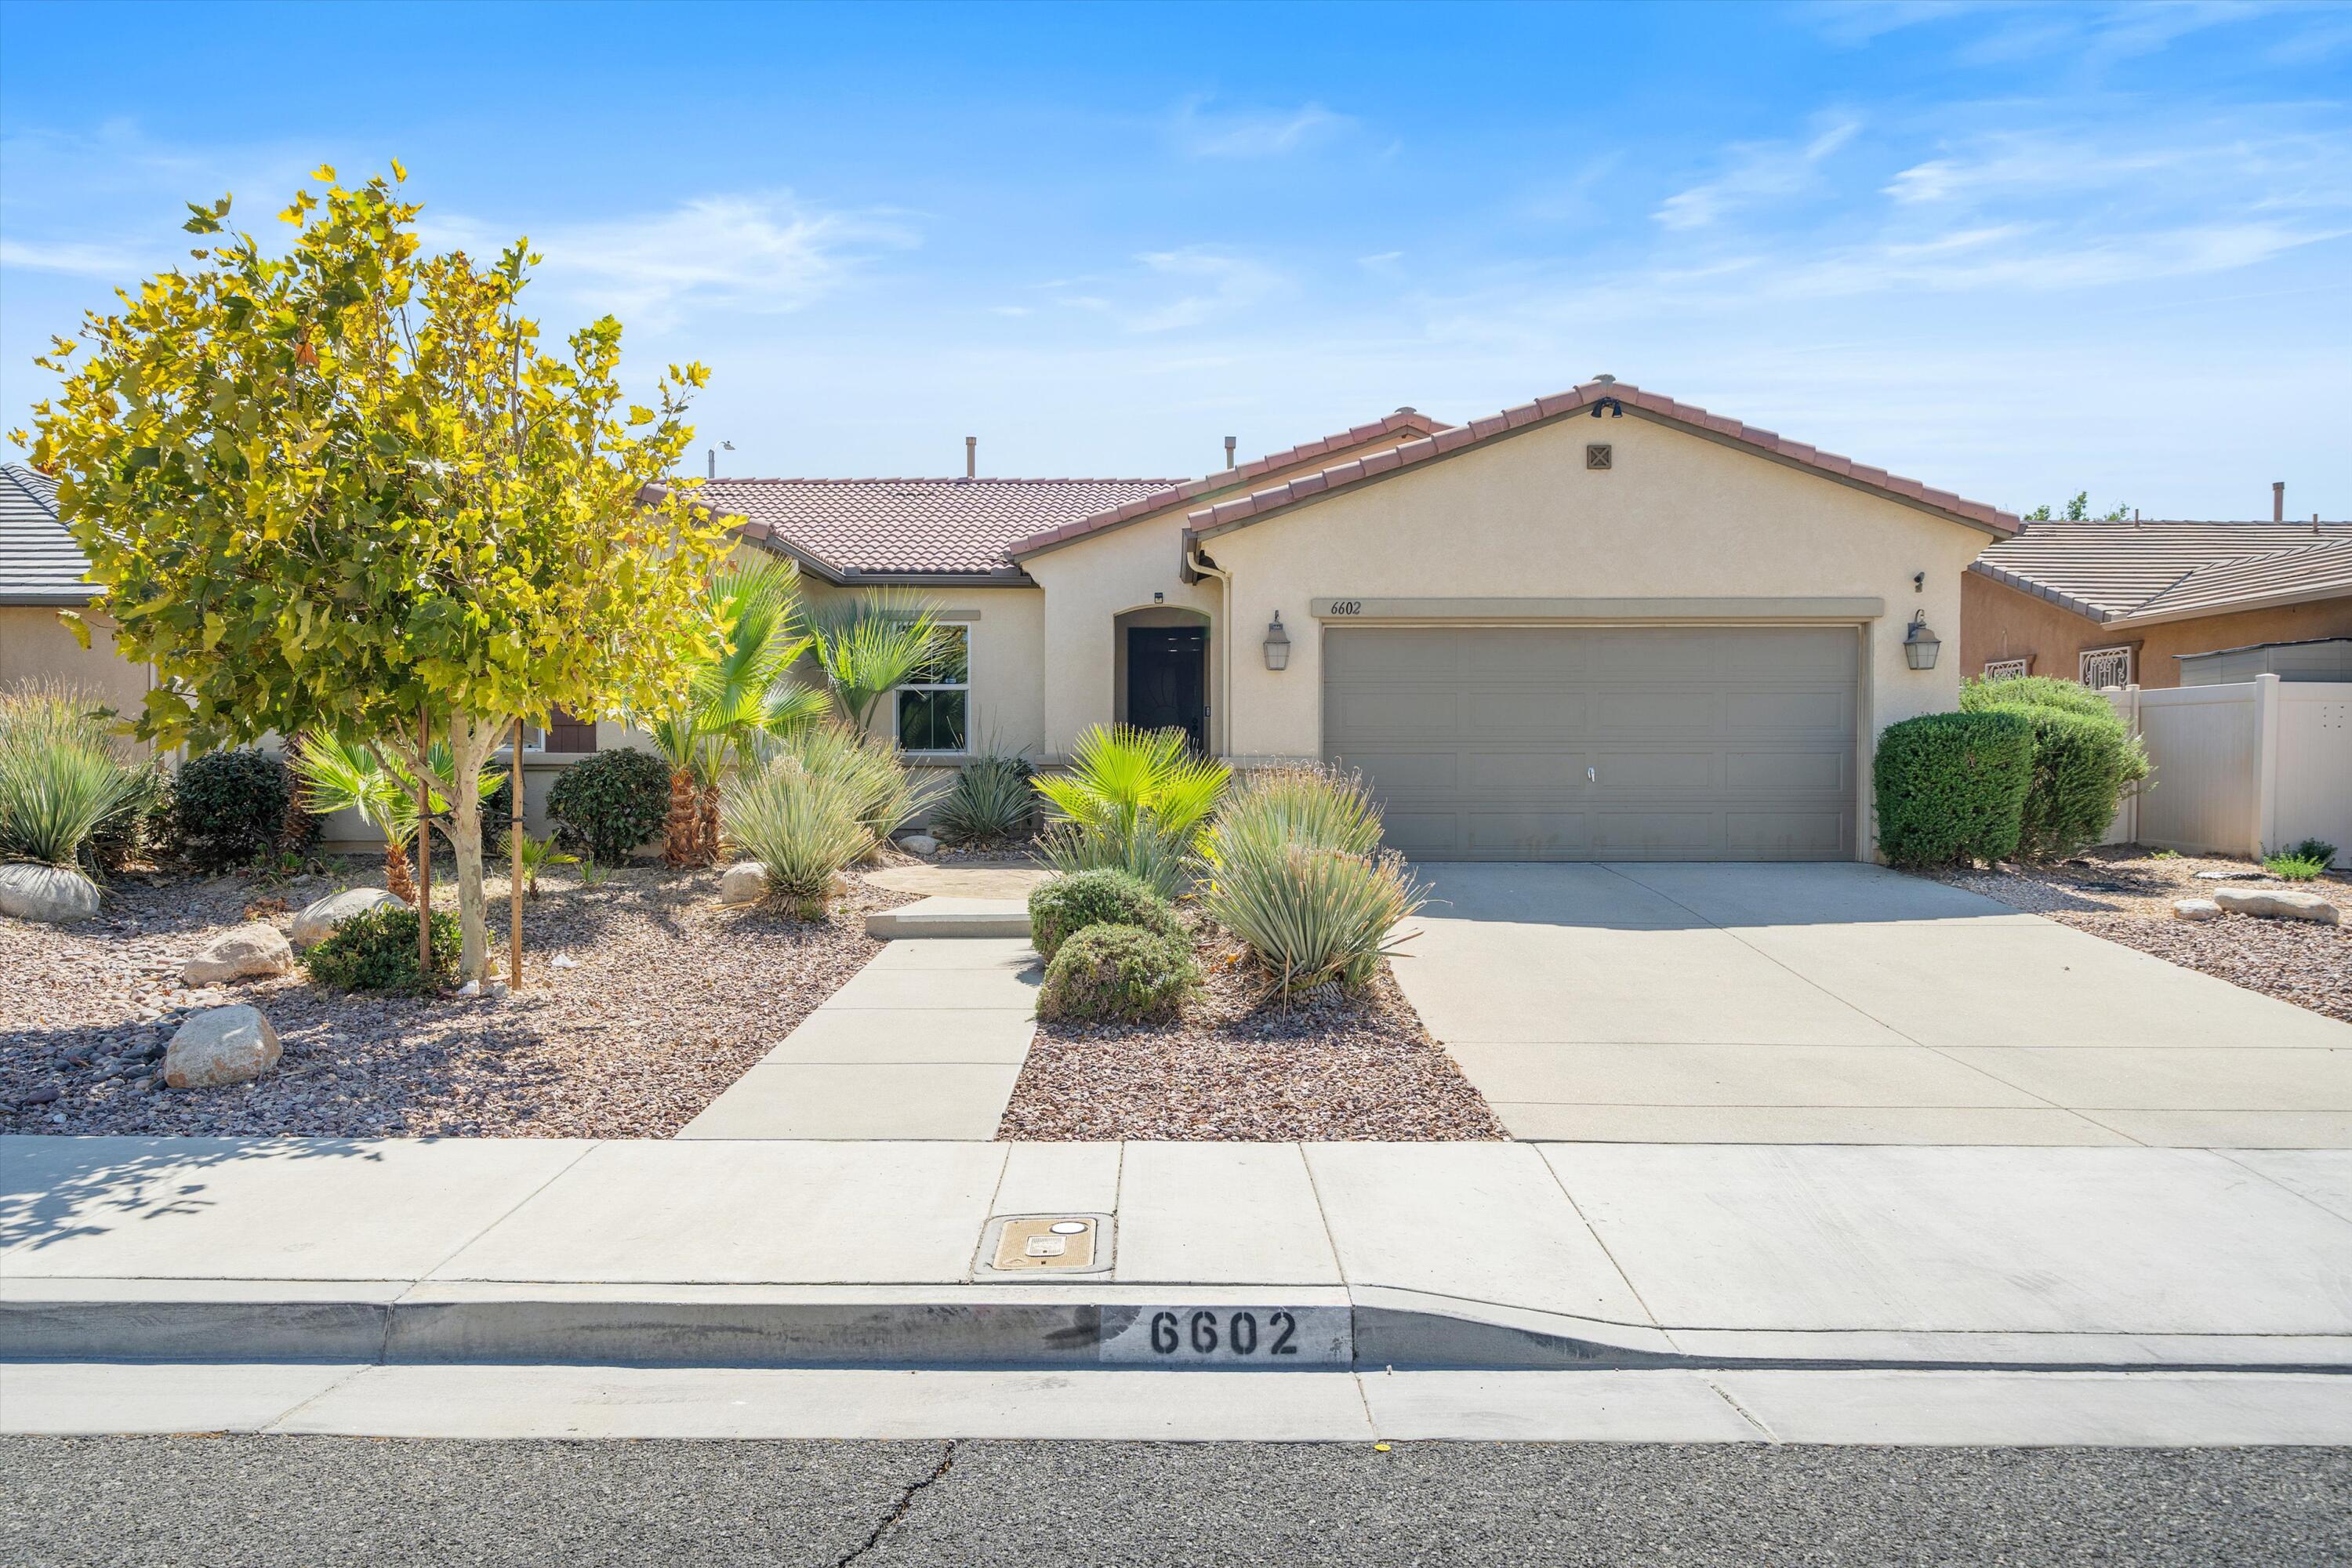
x=347, y=775
x=1133, y=800
x=873, y=644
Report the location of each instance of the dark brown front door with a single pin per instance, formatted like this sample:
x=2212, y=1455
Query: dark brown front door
x=1167, y=686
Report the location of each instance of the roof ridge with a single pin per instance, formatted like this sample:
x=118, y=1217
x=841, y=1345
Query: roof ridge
x=931, y=479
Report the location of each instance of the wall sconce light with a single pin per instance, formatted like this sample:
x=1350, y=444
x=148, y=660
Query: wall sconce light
x=1277, y=645
x=1920, y=644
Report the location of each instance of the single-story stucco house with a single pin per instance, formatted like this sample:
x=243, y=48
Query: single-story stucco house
x=1603, y=624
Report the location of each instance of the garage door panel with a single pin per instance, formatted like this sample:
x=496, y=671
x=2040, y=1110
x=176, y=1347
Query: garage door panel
x=1704, y=742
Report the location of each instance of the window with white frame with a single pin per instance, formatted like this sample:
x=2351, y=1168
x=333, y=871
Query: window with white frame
x=2105, y=666
x=2005, y=668
x=935, y=704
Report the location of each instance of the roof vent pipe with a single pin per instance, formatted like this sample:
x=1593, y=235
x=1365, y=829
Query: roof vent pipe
x=971, y=457
x=1231, y=442
x=2278, y=500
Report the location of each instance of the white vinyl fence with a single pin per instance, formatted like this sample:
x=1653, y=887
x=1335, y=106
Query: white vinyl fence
x=2240, y=769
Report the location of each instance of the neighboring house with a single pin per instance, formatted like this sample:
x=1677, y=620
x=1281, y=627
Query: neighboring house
x=1603, y=624
x=2123, y=603
x=41, y=573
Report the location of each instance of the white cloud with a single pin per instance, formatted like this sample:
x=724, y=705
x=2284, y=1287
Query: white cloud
x=114, y=263
x=1207, y=285
x=1205, y=132
x=1756, y=172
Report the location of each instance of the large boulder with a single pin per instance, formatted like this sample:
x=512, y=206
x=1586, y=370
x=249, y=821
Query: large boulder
x=2278, y=904
x=744, y=882
x=220, y=1046
x=920, y=844
x=318, y=921
x=253, y=949
x=51, y=893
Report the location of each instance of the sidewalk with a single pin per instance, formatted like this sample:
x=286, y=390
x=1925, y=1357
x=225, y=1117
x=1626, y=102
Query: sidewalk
x=765, y=1252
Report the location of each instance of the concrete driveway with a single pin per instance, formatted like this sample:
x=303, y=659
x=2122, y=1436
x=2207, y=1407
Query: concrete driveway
x=1844, y=1003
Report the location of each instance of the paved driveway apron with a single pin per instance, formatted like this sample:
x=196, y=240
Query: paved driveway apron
x=1762, y=1004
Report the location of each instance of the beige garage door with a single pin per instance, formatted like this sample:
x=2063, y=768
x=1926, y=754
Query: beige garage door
x=1601, y=743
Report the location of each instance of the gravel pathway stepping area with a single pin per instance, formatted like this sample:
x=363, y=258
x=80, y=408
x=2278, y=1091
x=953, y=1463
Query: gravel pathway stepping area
x=664, y=1001
x=2125, y=894
x=1327, y=1067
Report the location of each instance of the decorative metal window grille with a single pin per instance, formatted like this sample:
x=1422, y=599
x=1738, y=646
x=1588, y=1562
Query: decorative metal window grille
x=2005, y=668
x=2105, y=666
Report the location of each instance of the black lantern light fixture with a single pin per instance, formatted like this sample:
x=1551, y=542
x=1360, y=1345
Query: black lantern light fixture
x=1920, y=644
x=1277, y=645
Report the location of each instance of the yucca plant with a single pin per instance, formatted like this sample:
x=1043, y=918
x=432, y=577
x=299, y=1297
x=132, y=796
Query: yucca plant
x=883, y=791
x=1308, y=914
x=803, y=827
x=1305, y=805
x=871, y=645
x=64, y=778
x=348, y=775
x=990, y=799
x=1133, y=801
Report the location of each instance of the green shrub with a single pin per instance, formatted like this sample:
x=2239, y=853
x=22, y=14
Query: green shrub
x=611, y=803
x=72, y=791
x=1119, y=974
x=1951, y=787
x=990, y=799
x=2294, y=867
x=1062, y=906
x=1133, y=801
x=233, y=808
x=376, y=951
x=2083, y=762
x=803, y=827
x=2034, y=691
x=1308, y=914
x=883, y=791
x=2317, y=849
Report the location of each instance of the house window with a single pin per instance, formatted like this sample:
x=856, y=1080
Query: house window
x=2005, y=668
x=934, y=707
x=2105, y=666
x=566, y=733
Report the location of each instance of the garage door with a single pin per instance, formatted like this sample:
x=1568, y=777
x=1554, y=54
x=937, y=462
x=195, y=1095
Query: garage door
x=1601, y=743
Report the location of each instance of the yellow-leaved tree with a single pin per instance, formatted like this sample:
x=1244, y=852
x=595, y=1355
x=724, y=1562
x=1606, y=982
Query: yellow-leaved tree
x=347, y=489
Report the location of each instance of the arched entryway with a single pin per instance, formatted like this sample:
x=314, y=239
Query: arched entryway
x=1162, y=677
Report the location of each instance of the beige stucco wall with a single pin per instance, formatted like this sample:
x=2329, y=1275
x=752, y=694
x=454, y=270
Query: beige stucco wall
x=35, y=646
x=1086, y=588
x=1006, y=708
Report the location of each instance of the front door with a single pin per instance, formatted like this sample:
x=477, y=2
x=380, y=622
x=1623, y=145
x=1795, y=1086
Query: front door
x=1167, y=686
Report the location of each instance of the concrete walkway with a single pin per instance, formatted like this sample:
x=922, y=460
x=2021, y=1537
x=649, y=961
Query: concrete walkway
x=1348, y=1255
x=925, y=1042
x=1845, y=1003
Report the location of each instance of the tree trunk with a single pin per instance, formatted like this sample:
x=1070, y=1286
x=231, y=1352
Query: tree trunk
x=682, y=840
x=471, y=741
x=709, y=811
x=396, y=879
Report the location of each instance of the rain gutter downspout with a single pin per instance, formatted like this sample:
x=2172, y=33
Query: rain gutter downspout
x=1196, y=561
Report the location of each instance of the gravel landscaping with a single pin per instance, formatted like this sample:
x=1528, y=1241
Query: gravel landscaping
x=642, y=1001
x=1234, y=1068
x=2125, y=894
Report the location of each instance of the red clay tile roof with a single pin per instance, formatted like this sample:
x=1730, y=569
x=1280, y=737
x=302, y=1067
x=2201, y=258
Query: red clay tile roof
x=1256, y=467
x=1248, y=508
x=912, y=527
x=2114, y=571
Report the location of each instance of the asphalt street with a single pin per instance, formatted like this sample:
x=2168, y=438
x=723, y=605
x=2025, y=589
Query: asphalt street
x=221, y=1501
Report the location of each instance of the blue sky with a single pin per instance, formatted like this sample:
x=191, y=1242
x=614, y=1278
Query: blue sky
x=2015, y=251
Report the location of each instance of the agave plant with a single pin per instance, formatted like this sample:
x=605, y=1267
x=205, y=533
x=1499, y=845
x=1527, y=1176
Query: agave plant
x=1133, y=801
x=346, y=775
x=740, y=690
x=64, y=779
x=870, y=645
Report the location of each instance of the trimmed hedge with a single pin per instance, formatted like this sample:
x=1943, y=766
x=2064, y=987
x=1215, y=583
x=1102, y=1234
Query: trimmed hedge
x=1061, y=906
x=2084, y=757
x=1119, y=974
x=1951, y=786
x=376, y=951
x=607, y=806
x=2034, y=691
x=232, y=808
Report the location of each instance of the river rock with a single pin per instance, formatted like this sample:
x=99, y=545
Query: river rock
x=744, y=882
x=220, y=1046
x=318, y=921
x=2195, y=910
x=252, y=949
x=2252, y=874
x=2278, y=904
x=52, y=893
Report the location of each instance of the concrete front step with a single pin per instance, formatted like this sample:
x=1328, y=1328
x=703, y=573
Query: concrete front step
x=952, y=918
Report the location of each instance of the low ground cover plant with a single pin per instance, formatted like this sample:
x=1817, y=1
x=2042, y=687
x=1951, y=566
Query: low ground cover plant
x=803, y=827
x=376, y=951
x=70, y=792
x=2084, y=759
x=1133, y=801
x=1062, y=906
x=991, y=801
x=1951, y=787
x=1294, y=871
x=1119, y=974
x=2305, y=861
x=605, y=807
x=234, y=808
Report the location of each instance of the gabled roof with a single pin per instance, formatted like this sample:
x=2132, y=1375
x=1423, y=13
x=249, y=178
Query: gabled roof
x=39, y=561
x=2132, y=571
x=1404, y=420
x=1242, y=511
x=852, y=529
